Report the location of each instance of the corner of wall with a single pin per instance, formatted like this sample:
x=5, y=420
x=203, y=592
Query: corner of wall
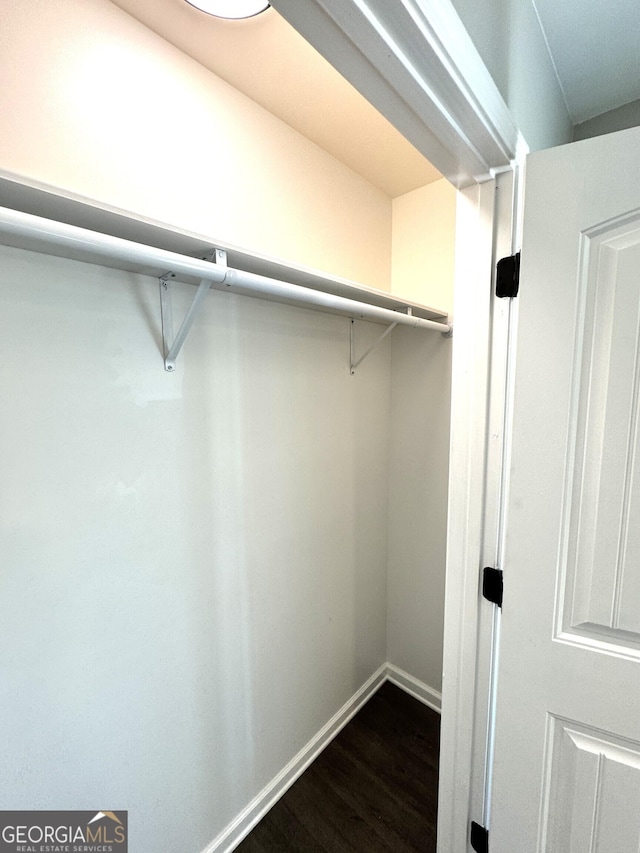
x=621, y=118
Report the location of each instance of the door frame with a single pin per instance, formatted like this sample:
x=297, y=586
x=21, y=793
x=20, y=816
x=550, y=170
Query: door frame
x=415, y=62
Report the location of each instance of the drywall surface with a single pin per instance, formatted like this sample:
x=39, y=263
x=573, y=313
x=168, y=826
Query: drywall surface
x=418, y=489
x=621, y=118
x=423, y=245
x=510, y=40
x=101, y=106
x=193, y=564
x=423, y=252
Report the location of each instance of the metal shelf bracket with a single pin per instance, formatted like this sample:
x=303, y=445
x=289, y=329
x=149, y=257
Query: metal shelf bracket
x=352, y=345
x=172, y=345
x=356, y=362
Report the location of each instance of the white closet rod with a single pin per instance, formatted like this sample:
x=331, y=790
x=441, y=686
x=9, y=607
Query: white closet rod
x=48, y=232
x=104, y=247
x=353, y=308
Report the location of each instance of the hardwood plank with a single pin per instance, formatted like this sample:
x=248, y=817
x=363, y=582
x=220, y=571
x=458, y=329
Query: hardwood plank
x=372, y=790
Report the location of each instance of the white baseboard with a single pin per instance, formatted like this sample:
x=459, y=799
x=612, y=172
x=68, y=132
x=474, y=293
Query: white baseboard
x=418, y=689
x=242, y=825
x=233, y=834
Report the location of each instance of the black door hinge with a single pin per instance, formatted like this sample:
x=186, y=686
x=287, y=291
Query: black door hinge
x=508, y=276
x=492, y=585
x=479, y=838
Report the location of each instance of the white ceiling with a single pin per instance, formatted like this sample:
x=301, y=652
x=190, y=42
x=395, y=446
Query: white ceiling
x=266, y=59
x=595, y=45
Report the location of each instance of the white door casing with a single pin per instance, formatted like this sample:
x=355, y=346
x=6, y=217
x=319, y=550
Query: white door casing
x=567, y=761
x=485, y=231
x=416, y=63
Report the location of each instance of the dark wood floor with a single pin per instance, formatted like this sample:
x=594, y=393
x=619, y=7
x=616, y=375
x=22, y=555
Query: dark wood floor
x=374, y=788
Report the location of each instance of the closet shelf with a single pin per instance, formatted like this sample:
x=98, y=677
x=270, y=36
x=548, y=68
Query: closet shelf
x=136, y=245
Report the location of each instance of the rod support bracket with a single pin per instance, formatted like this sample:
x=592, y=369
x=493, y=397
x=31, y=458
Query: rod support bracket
x=173, y=344
x=355, y=362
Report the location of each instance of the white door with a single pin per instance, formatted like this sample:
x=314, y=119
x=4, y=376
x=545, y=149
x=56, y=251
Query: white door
x=567, y=760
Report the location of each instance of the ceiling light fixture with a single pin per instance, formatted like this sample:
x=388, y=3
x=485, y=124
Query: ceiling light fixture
x=232, y=9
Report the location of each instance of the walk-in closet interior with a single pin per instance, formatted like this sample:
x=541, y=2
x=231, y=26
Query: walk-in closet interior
x=205, y=571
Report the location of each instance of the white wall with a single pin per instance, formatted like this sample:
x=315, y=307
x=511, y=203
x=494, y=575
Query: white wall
x=101, y=106
x=418, y=488
x=619, y=119
x=194, y=564
x=508, y=37
x=423, y=245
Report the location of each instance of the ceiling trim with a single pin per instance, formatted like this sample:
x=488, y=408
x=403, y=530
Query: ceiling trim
x=415, y=62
